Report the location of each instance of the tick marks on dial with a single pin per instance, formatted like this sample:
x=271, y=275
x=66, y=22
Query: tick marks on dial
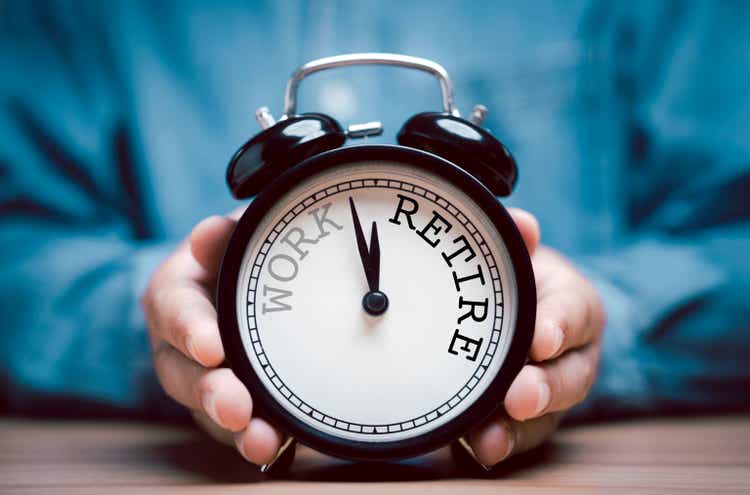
x=461, y=343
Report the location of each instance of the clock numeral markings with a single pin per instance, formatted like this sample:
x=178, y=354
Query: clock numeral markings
x=284, y=267
x=407, y=212
x=301, y=239
x=472, y=312
x=468, y=345
x=322, y=220
x=276, y=299
x=431, y=233
x=464, y=247
x=459, y=280
x=433, y=225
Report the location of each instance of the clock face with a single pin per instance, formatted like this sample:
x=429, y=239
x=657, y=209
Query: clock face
x=353, y=375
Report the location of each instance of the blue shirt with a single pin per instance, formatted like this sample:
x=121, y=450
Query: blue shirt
x=630, y=122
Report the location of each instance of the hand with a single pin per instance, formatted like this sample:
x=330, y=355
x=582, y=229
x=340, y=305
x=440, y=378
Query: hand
x=564, y=355
x=370, y=256
x=374, y=302
x=187, y=348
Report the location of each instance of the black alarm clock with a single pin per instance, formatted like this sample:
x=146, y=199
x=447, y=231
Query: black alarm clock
x=376, y=300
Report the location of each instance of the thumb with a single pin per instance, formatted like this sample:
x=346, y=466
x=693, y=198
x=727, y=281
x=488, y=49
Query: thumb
x=528, y=226
x=209, y=239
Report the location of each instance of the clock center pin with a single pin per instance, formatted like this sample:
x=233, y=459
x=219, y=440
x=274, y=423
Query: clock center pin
x=375, y=303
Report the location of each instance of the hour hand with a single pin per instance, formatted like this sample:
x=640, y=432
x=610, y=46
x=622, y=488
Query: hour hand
x=373, y=269
x=374, y=302
x=364, y=253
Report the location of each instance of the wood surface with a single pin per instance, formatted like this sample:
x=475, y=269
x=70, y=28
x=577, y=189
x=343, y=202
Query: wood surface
x=686, y=455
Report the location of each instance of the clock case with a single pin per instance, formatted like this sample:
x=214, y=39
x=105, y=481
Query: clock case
x=488, y=403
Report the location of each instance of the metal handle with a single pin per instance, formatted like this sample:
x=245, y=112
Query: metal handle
x=437, y=70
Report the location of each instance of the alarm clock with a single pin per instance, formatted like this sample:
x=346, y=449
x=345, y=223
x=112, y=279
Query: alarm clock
x=376, y=300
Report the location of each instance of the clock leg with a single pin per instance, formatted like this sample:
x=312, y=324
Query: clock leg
x=283, y=459
x=461, y=446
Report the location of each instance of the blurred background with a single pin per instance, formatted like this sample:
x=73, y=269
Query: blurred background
x=629, y=122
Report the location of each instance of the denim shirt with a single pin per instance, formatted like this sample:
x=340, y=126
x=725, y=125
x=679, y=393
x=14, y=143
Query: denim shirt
x=629, y=121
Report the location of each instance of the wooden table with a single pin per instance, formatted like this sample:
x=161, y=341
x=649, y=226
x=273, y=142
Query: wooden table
x=703, y=455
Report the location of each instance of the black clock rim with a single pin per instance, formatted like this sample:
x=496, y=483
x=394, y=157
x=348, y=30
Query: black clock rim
x=488, y=403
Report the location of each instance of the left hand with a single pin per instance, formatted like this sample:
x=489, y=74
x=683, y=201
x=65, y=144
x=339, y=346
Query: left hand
x=187, y=349
x=564, y=355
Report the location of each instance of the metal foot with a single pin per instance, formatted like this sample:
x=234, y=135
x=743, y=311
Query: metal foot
x=283, y=458
x=467, y=448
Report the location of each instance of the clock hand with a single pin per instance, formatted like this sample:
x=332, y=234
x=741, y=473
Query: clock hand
x=374, y=264
x=374, y=301
x=364, y=254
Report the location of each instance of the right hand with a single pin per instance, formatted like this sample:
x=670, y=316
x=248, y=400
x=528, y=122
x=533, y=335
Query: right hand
x=187, y=349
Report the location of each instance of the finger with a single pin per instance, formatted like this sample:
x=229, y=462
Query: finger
x=569, y=315
x=502, y=437
x=553, y=386
x=237, y=213
x=528, y=226
x=186, y=318
x=215, y=431
x=218, y=393
x=209, y=239
x=259, y=442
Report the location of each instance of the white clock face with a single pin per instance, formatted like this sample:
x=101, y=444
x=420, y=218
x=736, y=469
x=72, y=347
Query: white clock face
x=450, y=319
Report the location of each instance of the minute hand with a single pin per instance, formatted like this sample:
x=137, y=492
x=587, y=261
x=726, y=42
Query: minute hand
x=370, y=257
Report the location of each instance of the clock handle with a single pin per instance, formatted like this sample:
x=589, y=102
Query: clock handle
x=283, y=144
x=394, y=59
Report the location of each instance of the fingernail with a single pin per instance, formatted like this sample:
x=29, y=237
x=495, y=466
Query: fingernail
x=557, y=338
x=544, y=395
x=209, y=405
x=238, y=443
x=190, y=346
x=511, y=437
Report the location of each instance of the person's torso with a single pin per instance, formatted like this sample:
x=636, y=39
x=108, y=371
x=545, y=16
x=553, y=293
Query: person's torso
x=195, y=73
